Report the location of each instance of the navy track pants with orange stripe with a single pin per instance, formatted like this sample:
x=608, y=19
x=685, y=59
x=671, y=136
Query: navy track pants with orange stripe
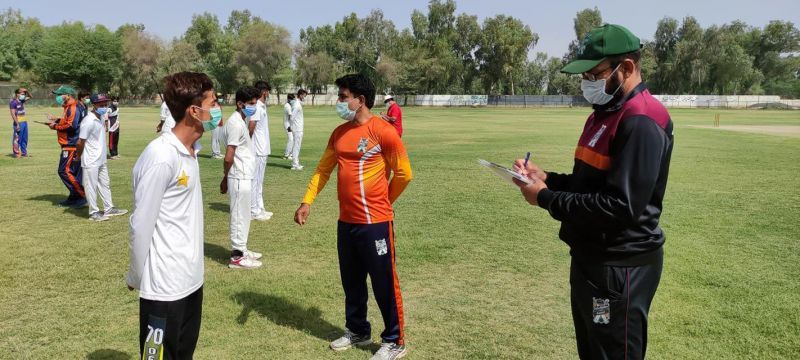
x=69, y=170
x=369, y=249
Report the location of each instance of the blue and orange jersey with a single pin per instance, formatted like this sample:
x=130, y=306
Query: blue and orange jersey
x=373, y=170
x=65, y=125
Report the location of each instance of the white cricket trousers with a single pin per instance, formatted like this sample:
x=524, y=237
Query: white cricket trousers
x=297, y=141
x=257, y=190
x=239, y=191
x=95, y=180
x=289, y=144
x=216, y=138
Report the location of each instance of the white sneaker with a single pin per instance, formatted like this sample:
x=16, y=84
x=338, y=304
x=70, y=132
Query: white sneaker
x=115, y=212
x=349, y=339
x=263, y=216
x=298, y=167
x=217, y=157
x=252, y=254
x=98, y=216
x=390, y=351
x=244, y=262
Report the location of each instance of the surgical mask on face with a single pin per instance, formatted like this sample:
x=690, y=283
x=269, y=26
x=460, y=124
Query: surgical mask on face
x=344, y=112
x=101, y=110
x=249, y=110
x=87, y=101
x=595, y=91
x=60, y=100
x=22, y=98
x=216, y=116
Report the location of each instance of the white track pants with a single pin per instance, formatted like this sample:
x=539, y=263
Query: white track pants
x=257, y=190
x=289, y=144
x=216, y=138
x=298, y=140
x=239, y=191
x=95, y=180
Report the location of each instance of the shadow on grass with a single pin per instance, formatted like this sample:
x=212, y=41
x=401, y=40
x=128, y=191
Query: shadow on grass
x=285, y=166
x=221, y=207
x=217, y=253
x=285, y=313
x=108, y=354
x=55, y=199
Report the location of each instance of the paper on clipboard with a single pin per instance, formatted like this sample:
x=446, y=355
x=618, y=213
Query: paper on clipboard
x=504, y=172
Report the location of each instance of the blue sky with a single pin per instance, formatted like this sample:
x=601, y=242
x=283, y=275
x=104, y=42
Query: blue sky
x=552, y=20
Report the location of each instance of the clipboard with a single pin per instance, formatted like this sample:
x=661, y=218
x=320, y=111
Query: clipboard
x=504, y=172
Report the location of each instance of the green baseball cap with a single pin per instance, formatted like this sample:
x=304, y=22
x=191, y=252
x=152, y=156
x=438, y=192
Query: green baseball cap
x=599, y=43
x=65, y=90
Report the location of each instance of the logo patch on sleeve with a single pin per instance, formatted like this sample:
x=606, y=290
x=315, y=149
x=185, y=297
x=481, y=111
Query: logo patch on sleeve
x=380, y=245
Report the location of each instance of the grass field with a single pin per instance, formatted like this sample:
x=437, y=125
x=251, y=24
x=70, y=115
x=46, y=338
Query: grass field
x=483, y=274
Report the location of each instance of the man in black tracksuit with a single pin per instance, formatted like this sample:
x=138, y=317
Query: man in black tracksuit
x=609, y=207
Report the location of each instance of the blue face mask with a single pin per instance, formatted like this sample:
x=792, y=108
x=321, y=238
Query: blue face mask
x=60, y=100
x=216, y=116
x=101, y=111
x=249, y=110
x=344, y=112
x=22, y=98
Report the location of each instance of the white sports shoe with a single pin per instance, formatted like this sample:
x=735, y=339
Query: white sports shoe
x=298, y=167
x=252, y=254
x=264, y=216
x=98, y=216
x=348, y=340
x=115, y=212
x=390, y=351
x=244, y=262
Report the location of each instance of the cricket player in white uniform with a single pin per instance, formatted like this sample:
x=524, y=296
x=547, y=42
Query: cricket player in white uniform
x=297, y=128
x=287, y=126
x=216, y=135
x=92, y=149
x=166, y=228
x=239, y=169
x=262, y=149
x=167, y=121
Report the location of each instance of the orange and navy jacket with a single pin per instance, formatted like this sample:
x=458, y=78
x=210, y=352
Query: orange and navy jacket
x=610, y=206
x=68, y=125
x=373, y=170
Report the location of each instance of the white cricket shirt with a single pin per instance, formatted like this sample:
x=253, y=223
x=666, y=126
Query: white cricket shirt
x=287, y=115
x=297, y=116
x=244, y=160
x=166, y=117
x=95, y=148
x=261, y=145
x=166, y=227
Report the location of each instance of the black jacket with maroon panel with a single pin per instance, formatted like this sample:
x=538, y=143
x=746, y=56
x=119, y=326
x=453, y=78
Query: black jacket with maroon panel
x=609, y=207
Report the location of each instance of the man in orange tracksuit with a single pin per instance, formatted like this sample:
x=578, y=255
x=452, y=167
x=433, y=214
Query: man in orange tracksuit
x=67, y=127
x=373, y=171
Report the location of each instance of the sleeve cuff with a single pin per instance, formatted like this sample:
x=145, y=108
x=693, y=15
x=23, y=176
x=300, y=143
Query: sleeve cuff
x=545, y=198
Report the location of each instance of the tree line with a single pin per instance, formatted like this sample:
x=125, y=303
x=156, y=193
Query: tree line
x=443, y=52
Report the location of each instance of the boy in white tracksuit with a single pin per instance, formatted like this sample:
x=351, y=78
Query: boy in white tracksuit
x=92, y=149
x=239, y=169
x=262, y=149
x=297, y=128
x=287, y=126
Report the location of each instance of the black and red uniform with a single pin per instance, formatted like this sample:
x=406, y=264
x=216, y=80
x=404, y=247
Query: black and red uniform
x=609, y=208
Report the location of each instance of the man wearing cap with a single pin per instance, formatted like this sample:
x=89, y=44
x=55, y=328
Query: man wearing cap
x=92, y=151
x=19, y=139
x=393, y=114
x=610, y=205
x=69, y=168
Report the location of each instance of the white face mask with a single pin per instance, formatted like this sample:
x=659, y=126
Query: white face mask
x=595, y=91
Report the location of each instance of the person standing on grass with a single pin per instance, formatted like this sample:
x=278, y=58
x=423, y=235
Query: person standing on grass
x=610, y=206
x=239, y=171
x=166, y=228
x=66, y=127
x=216, y=134
x=91, y=150
x=167, y=121
x=394, y=115
x=259, y=125
x=365, y=149
x=287, y=125
x=297, y=125
x=113, y=128
x=19, y=136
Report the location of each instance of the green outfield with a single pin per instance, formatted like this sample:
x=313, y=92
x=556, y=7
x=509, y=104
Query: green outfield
x=483, y=274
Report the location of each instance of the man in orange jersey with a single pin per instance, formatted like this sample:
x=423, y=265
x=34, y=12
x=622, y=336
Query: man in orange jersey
x=366, y=149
